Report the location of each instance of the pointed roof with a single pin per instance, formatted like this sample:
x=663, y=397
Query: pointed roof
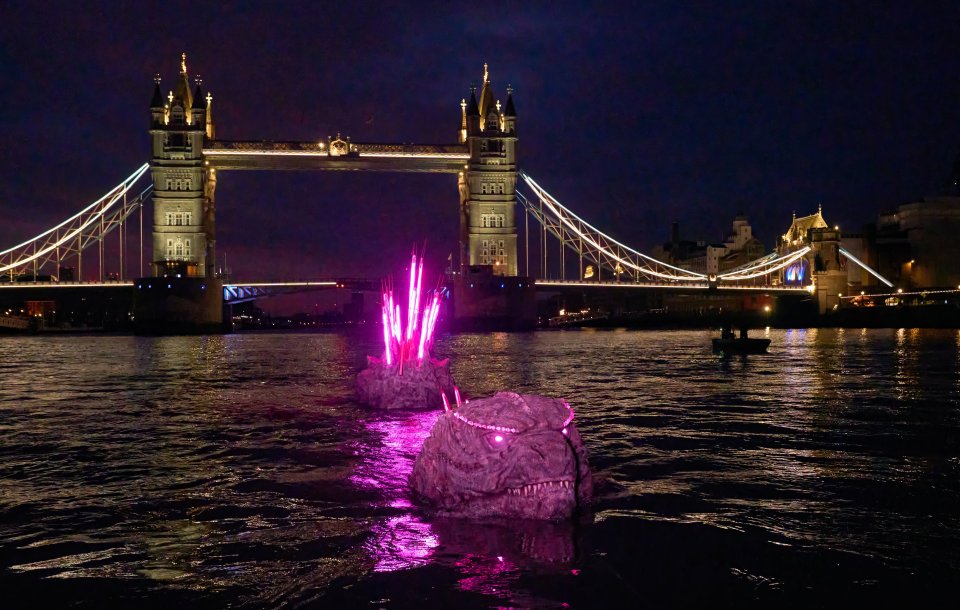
x=198, y=101
x=798, y=229
x=487, y=99
x=157, y=101
x=472, y=108
x=509, y=109
x=182, y=91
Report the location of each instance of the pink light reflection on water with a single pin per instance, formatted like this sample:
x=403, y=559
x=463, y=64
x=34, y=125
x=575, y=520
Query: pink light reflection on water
x=488, y=575
x=403, y=541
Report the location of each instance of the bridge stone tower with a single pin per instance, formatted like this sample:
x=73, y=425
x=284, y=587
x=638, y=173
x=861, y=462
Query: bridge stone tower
x=488, y=198
x=182, y=295
x=183, y=207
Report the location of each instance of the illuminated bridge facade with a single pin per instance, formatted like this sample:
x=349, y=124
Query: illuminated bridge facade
x=188, y=159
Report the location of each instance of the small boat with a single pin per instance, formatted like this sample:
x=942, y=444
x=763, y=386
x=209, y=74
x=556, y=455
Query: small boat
x=743, y=345
x=729, y=344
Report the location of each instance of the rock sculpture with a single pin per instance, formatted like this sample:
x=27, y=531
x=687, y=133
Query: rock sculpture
x=508, y=456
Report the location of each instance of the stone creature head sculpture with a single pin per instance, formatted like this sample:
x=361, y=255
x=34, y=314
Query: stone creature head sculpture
x=510, y=455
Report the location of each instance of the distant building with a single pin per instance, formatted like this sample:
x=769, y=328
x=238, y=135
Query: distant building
x=739, y=247
x=916, y=245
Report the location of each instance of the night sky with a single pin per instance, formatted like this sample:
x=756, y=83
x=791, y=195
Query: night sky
x=633, y=117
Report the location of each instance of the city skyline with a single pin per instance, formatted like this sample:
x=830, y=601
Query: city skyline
x=651, y=116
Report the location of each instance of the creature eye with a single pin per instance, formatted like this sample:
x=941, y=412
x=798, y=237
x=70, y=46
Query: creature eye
x=497, y=440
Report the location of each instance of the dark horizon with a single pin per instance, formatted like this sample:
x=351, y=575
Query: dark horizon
x=632, y=117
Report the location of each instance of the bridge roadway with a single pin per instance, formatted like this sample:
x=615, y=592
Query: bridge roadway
x=254, y=155
x=240, y=292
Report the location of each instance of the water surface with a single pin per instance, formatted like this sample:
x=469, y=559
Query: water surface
x=236, y=471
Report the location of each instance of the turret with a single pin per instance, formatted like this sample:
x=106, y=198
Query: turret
x=509, y=114
x=156, y=104
x=198, y=108
x=473, y=113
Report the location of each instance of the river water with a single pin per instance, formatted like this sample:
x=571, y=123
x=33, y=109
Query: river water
x=236, y=471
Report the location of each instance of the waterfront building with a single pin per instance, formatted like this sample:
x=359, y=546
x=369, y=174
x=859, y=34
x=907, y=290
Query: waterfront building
x=915, y=245
x=738, y=247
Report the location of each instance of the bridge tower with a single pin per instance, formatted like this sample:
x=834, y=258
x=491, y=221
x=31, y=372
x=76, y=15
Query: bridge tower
x=488, y=198
x=822, y=265
x=182, y=295
x=183, y=207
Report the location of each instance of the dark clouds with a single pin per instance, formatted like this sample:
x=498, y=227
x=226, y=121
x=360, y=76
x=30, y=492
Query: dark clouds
x=634, y=116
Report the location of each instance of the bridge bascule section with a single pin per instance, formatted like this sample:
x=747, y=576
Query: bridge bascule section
x=187, y=160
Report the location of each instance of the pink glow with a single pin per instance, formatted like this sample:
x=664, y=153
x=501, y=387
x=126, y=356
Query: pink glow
x=564, y=431
x=456, y=393
x=498, y=438
x=446, y=403
x=412, y=296
x=416, y=295
x=413, y=338
x=570, y=418
x=386, y=339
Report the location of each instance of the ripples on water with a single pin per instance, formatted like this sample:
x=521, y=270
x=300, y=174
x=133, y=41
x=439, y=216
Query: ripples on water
x=237, y=471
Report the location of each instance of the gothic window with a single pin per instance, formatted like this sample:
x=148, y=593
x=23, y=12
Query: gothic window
x=169, y=248
x=186, y=247
x=483, y=146
x=178, y=248
x=188, y=218
x=484, y=188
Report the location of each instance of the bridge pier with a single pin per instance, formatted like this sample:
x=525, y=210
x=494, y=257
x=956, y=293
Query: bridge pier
x=177, y=306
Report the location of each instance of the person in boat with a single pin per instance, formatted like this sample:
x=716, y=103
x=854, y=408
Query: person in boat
x=726, y=332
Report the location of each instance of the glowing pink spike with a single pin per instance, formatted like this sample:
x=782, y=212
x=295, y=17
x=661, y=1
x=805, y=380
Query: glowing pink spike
x=456, y=393
x=411, y=295
x=396, y=326
x=434, y=312
x=423, y=338
x=386, y=338
x=446, y=403
x=416, y=302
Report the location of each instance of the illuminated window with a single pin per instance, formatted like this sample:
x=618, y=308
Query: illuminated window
x=186, y=247
x=169, y=248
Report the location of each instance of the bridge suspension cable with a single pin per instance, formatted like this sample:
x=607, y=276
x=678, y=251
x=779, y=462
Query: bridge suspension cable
x=72, y=236
x=590, y=243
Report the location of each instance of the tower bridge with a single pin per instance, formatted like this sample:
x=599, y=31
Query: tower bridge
x=187, y=160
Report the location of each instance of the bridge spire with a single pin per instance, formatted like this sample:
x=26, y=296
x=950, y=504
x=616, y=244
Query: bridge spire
x=157, y=100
